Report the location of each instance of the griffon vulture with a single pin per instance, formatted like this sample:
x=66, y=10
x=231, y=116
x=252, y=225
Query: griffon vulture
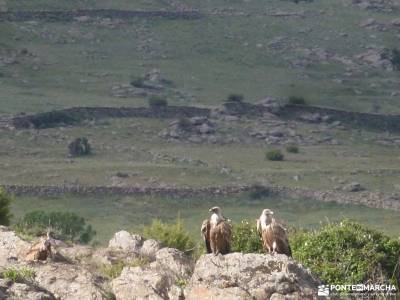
x=217, y=233
x=41, y=250
x=273, y=234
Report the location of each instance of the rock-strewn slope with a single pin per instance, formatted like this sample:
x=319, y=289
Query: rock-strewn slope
x=167, y=273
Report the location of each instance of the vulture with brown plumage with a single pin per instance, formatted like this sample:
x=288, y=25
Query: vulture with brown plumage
x=217, y=233
x=273, y=234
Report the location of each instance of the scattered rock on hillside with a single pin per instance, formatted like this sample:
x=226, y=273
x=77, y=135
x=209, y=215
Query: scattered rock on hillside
x=380, y=5
x=250, y=276
x=376, y=58
x=271, y=103
x=189, y=128
x=353, y=187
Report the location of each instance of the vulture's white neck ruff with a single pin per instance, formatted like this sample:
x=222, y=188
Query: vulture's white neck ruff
x=265, y=221
x=215, y=219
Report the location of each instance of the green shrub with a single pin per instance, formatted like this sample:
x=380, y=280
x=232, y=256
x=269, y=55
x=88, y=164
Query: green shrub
x=79, y=147
x=395, y=59
x=171, y=235
x=245, y=238
x=138, y=82
x=348, y=253
x=19, y=275
x=274, y=155
x=258, y=191
x=114, y=270
x=297, y=100
x=66, y=226
x=157, y=101
x=292, y=149
x=5, y=201
x=235, y=98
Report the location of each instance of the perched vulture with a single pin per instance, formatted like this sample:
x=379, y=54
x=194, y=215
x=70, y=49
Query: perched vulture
x=41, y=250
x=205, y=232
x=273, y=234
x=217, y=233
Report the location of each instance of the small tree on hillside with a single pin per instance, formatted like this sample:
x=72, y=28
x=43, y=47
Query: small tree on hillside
x=5, y=201
x=395, y=59
x=235, y=98
x=80, y=147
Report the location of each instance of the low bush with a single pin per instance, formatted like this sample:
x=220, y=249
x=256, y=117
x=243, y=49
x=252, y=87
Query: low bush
x=297, y=100
x=395, y=59
x=292, y=149
x=5, y=214
x=157, y=101
x=114, y=270
x=19, y=275
x=66, y=226
x=245, y=238
x=138, y=82
x=79, y=147
x=274, y=155
x=235, y=98
x=348, y=253
x=171, y=235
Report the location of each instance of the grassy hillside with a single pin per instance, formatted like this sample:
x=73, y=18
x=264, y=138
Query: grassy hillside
x=246, y=49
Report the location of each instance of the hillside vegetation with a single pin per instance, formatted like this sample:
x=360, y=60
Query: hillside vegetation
x=333, y=53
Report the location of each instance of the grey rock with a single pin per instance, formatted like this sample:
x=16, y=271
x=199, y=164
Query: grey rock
x=353, y=187
x=68, y=281
x=25, y=291
x=150, y=248
x=156, y=281
x=250, y=276
x=123, y=240
x=12, y=248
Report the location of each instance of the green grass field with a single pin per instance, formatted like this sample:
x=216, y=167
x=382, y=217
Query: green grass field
x=110, y=214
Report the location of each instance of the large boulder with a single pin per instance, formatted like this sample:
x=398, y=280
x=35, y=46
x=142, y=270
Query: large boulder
x=68, y=281
x=250, y=276
x=159, y=280
x=150, y=248
x=26, y=291
x=125, y=241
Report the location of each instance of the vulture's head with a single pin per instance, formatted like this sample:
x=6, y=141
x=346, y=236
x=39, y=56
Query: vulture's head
x=267, y=212
x=216, y=210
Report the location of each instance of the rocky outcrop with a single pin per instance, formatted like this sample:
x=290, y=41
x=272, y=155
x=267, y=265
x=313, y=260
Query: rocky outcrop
x=159, y=280
x=26, y=291
x=163, y=273
x=125, y=241
x=68, y=281
x=12, y=248
x=250, y=276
